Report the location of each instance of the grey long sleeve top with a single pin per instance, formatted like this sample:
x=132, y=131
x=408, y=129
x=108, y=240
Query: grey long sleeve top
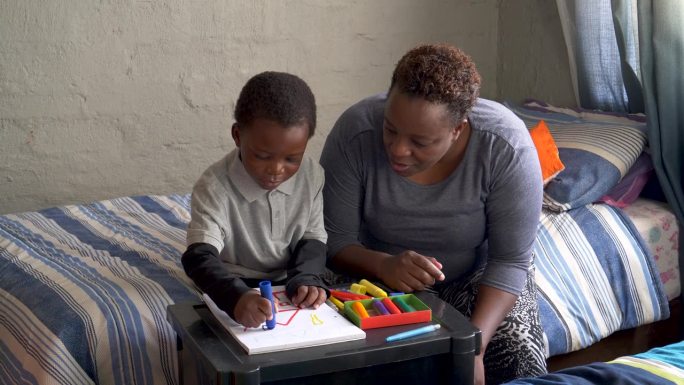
x=486, y=211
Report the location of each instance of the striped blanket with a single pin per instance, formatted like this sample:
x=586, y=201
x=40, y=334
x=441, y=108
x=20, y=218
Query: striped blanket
x=595, y=276
x=658, y=366
x=84, y=288
x=84, y=291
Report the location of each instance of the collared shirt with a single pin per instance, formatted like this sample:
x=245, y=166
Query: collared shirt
x=256, y=230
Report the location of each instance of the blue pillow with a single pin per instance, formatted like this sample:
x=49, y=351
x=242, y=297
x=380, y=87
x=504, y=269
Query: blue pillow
x=596, y=148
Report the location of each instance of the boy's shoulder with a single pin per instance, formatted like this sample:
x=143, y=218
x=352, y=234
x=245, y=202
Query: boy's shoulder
x=217, y=176
x=311, y=170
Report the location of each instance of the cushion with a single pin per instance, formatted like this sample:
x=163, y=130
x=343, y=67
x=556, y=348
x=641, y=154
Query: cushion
x=596, y=148
x=547, y=151
x=629, y=188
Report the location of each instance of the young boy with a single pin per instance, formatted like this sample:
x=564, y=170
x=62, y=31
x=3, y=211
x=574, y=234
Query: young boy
x=257, y=214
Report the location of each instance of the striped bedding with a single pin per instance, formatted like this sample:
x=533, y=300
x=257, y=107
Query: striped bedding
x=658, y=366
x=595, y=276
x=84, y=288
x=84, y=291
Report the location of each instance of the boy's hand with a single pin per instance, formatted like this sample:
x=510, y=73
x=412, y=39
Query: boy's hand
x=252, y=309
x=309, y=296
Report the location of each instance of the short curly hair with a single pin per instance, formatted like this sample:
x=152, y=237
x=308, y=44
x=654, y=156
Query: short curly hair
x=439, y=73
x=278, y=96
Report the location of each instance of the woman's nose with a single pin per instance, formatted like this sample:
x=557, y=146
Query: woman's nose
x=399, y=147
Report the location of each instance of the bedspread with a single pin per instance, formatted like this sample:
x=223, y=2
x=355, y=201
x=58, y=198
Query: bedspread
x=84, y=288
x=658, y=366
x=595, y=276
x=84, y=291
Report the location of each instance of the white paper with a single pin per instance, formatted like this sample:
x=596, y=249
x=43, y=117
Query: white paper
x=295, y=327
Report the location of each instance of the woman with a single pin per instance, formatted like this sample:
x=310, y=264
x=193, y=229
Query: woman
x=432, y=187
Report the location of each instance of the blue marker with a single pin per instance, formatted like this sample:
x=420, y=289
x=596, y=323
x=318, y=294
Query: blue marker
x=412, y=333
x=267, y=292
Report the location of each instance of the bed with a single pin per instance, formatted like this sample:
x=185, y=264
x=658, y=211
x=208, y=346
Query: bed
x=658, y=366
x=84, y=288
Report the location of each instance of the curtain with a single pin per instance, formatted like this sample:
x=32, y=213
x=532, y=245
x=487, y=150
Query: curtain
x=627, y=56
x=661, y=42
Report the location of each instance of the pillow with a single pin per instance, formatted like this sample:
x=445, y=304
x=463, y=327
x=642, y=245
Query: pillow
x=629, y=188
x=596, y=148
x=547, y=151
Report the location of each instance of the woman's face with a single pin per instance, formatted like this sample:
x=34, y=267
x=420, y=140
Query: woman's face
x=416, y=133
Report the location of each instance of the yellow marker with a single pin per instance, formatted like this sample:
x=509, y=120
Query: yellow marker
x=337, y=303
x=372, y=289
x=358, y=289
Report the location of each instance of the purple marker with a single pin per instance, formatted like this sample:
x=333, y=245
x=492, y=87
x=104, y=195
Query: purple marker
x=267, y=292
x=377, y=304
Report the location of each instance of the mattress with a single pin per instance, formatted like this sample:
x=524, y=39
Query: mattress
x=658, y=227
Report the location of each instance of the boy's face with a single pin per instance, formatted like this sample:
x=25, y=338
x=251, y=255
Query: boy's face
x=270, y=152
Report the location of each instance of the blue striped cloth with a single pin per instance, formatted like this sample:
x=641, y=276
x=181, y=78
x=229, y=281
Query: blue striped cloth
x=595, y=276
x=85, y=288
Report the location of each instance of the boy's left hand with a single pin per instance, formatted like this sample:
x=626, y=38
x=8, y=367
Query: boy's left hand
x=309, y=296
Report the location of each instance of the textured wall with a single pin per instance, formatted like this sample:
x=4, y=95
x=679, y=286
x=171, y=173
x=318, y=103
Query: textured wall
x=532, y=58
x=120, y=97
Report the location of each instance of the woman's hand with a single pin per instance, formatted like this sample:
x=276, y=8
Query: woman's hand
x=309, y=296
x=252, y=309
x=410, y=271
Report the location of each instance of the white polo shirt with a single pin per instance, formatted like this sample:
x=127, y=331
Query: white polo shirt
x=256, y=230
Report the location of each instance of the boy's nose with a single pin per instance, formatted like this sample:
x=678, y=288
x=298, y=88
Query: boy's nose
x=275, y=168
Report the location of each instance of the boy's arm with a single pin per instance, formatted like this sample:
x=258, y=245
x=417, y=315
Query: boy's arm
x=202, y=264
x=305, y=265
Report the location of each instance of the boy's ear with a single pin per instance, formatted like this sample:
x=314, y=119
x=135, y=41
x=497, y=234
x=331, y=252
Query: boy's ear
x=235, y=133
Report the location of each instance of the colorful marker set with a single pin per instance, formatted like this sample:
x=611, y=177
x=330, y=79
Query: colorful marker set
x=388, y=311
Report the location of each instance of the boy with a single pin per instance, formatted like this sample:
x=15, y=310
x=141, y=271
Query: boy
x=257, y=214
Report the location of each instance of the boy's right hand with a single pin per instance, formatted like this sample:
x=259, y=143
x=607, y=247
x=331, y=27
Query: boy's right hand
x=252, y=309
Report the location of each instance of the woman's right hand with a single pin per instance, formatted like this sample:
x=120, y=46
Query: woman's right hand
x=252, y=309
x=410, y=271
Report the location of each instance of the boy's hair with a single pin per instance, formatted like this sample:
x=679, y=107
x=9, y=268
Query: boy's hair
x=441, y=74
x=278, y=96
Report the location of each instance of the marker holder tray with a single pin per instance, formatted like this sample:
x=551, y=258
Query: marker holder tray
x=422, y=313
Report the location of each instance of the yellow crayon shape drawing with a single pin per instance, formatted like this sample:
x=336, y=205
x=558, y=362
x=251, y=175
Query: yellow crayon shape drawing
x=372, y=289
x=315, y=320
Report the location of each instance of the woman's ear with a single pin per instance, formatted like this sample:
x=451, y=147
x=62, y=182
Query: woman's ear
x=235, y=133
x=458, y=129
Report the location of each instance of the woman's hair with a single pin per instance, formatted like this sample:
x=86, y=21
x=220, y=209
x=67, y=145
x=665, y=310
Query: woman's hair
x=439, y=73
x=278, y=96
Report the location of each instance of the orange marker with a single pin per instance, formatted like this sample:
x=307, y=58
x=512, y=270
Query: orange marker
x=360, y=310
x=393, y=309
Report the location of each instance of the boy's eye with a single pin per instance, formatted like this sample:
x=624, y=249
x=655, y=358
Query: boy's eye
x=261, y=156
x=296, y=160
x=419, y=144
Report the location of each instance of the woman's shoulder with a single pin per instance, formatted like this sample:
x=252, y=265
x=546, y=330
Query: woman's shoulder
x=363, y=116
x=493, y=118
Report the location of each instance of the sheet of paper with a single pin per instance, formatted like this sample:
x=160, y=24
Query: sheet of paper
x=295, y=327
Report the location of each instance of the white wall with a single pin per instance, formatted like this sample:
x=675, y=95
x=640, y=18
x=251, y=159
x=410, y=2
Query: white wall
x=112, y=98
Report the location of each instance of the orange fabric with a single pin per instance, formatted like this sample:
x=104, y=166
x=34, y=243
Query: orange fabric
x=547, y=151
